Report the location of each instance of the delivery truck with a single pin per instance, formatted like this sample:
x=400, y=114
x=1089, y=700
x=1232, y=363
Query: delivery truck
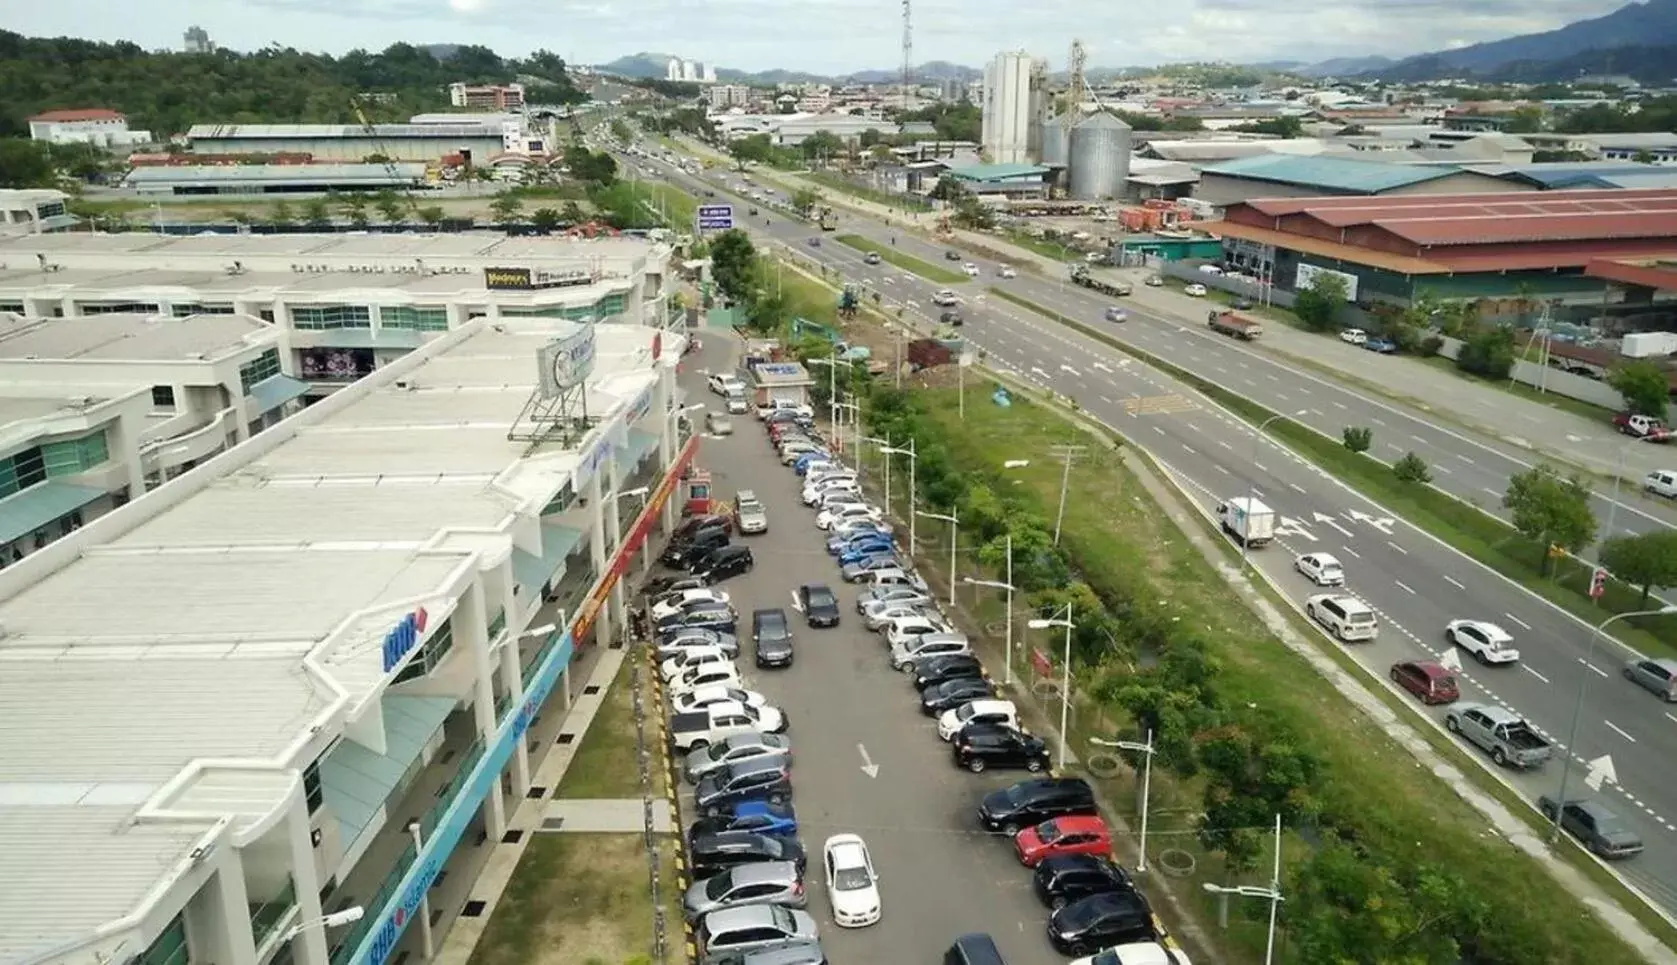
x=1249, y=521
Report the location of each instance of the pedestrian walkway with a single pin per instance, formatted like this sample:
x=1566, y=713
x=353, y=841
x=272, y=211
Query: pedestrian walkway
x=616, y=816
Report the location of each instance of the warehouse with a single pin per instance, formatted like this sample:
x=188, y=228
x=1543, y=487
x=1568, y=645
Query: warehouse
x=1285, y=176
x=424, y=143
x=1480, y=246
x=201, y=179
x=1003, y=180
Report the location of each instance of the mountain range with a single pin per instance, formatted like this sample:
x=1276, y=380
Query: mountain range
x=654, y=65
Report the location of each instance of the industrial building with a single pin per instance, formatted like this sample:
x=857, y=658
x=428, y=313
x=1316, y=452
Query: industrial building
x=1013, y=102
x=347, y=304
x=98, y=411
x=202, y=179
x=318, y=672
x=1098, y=158
x=1003, y=180
x=99, y=127
x=33, y=211
x=1471, y=246
x=1282, y=176
x=424, y=143
x=491, y=97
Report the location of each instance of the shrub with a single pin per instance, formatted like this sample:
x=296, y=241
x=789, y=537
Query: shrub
x=1431, y=345
x=1411, y=469
x=1357, y=438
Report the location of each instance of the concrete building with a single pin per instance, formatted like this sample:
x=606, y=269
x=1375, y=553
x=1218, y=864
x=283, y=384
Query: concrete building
x=487, y=97
x=97, y=411
x=724, y=96
x=205, y=179
x=196, y=40
x=425, y=143
x=1282, y=176
x=33, y=211
x=96, y=126
x=348, y=304
x=1003, y=180
x=1007, y=113
x=360, y=617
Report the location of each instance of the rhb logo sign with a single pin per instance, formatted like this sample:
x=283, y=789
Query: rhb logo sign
x=403, y=637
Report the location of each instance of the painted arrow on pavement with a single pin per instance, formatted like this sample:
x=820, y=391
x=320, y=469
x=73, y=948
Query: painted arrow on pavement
x=1102, y=367
x=1451, y=660
x=1327, y=520
x=1067, y=368
x=1038, y=371
x=1601, y=769
x=1293, y=527
x=868, y=766
x=1383, y=524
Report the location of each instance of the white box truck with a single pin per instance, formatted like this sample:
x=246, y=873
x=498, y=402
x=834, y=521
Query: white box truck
x=1247, y=520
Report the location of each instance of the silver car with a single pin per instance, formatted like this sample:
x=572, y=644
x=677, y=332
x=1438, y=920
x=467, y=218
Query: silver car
x=740, y=747
x=718, y=424
x=753, y=518
x=890, y=594
x=1656, y=676
x=794, y=953
x=752, y=927
x=683, y=640
x=877, y=616
x=757, y=883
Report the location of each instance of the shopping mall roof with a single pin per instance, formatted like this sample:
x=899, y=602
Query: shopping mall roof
x=247, y=132
x=237, y=614
x=131, y=337
x=1332, y=174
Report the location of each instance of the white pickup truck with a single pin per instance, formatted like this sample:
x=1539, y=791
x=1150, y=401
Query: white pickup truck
x=723, y=720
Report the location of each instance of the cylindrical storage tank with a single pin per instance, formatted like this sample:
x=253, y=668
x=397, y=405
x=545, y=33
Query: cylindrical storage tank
x=1099, y=157
x=1056, y=134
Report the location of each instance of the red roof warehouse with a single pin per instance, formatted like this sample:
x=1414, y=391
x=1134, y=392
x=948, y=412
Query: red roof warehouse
x=1517, y=238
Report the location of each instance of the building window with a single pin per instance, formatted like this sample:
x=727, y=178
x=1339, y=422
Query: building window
x=264, y=366
x=169, y=948
x=611, y=305
x=201, y=308
x=49, y=209
x=312, y=792
x=163, y=396
x=423, y=319
x=322, y=318
x=112, y=308
x=562, y=500
x=19, y=472
x=429, y=655
x=67, y=457
x=16, y=308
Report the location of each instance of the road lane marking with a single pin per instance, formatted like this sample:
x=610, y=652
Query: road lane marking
x=1339, y=405
x=1454, y=582
x=1671, y=718
x=1225, y=445
x=1418, y=439
x=1298, y=489
x=1377, y=422
x=1271, y=377
x=1189, y=449
x=1592, y=666
x=1282, y=396
x=1516, y=619
x=1463, y=458
x=1221, y=470
x=1446, y=470
x=1352, y=553
x=1397, y=547
x=1527, y=669
x=1619, y=730
x=1405, y=587
x=1316, y=412
x=1260, y=467
x=1487, y=489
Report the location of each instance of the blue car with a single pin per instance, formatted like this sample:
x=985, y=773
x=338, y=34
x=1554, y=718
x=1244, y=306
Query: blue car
x=1384, y=346
x=759, y=817
x=865, y=551
x=875, y=540
x=802, y=465
x=836, y=544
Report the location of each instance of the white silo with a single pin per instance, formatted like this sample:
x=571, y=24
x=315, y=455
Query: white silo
x=1099, y=157
x=1056, y=137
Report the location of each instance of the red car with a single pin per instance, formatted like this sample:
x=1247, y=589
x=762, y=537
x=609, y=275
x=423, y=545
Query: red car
x=1426, y=679
x=1077, y=834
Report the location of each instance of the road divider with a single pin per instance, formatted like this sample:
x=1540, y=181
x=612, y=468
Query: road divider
x=908, y=263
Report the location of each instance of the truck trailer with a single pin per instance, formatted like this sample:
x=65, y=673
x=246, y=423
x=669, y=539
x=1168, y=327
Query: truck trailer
x=1082, y=277
x=1249, y=521
x=1234, y=324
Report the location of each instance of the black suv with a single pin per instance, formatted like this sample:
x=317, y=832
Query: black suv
x=684, y=553
x=1030, y=803
x=821, y=608
x=690, y=529
x=722, y=562
x=1101, y=921
x=1068, y=878
x=715, y=853
x=936, y=670
x=981, y=746
x=762, y=780
x=773, y=635
x=706, y=617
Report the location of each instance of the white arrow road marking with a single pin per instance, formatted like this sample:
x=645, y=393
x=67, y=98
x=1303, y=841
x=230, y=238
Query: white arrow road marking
x=1383, y=524
x=1037, y=371
x=1517, y=620
x=1450, y=660
x=1326, y=520
x=1294, y=527
x=1527, y=669
x=1067, y=368
x=795, y=604
x=868, y=766
x=1620, y=731
x=1101, y=367
x=1454, y=582
x=1601, y=769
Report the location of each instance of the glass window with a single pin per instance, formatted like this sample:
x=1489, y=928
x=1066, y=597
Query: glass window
x=67, y=457
x=264, y=366
x=429, y=655
x=16, y=308
x=163, y=396
x=169, y=948
x=49, y=209
x=111, y=308
x=19, y=472
x=312, y=792
x=321, y=318
x=421, y=319
x=201, y=308
x=611, y=305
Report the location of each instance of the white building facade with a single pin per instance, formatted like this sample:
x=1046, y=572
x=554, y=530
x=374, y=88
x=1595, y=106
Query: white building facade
x=33, y=211
x=1007, y=111
x=96, y=126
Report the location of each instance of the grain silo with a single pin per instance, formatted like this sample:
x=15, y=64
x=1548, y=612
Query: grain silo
x=1056, y=134
x=1099, y=157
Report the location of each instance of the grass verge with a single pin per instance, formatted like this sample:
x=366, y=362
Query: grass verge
x=842, y=184
x=604, y=765
x=1460, y=524
x=908, y=263
x=1042, y=246
x=682, y=207
x=582, y=899
x=1123, y=542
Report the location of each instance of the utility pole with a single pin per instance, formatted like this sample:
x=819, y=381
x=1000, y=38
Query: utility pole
x=1068, y=453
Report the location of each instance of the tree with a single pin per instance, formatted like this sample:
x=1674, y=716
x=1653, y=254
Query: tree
x=317, y=213
x=973, y=214
x=354, y=209
x=756, y=149
x=1647, y=560
x=1249, y=781
x=820, y=146
x=1645, y=387
x=572, y=213
x=1319, y=302
x=24, y=164
x=1357, y=438
x=432, y=214
x=767, y=312
x=733, y=264
x=594, y=168
x=805, y=199
x=389, y=206
x=281, y=215
x=544, y=220
x=506, y=206
x=1550, y=510
x=1411, y=469
x=1488, y=353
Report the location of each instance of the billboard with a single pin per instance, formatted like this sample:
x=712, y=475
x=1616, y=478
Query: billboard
x=536, y=279
x=1307, y=276
x=565, y=363
x=716, y=217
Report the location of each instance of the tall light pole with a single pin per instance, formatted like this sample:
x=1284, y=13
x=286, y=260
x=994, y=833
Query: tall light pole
x=954, y=529
x=1618, y=481
x=885, y=449
x=1584, y=671
x=913, y=541
x=1272, y=893
x=855, y=411
x=1007, y=585
x=1252, y=492
x=832, y=363
x=337, y=919
x=1067, y=453
x=1065, y=681
x=1146, y=785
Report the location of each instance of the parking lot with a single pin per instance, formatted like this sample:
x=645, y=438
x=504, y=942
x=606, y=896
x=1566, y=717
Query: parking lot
x=939, y=875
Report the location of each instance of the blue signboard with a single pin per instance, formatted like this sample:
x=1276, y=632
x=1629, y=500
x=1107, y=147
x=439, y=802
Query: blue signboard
x=716, y=217
x=400, y=640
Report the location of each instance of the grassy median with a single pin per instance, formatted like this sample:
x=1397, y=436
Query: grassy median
x=886, y=199
x=1459, y=523
x=908, y=263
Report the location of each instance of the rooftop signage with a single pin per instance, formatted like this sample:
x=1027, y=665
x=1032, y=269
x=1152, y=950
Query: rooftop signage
x=403, y=637
x=536, y=279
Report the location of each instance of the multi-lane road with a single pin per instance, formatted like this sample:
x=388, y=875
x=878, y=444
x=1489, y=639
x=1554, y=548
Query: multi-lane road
x=1416, y=583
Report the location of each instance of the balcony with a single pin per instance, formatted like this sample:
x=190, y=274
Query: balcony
x=267, y=917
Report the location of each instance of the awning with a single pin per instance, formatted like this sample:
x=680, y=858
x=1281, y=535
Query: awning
x=639, y=445
x=357, y=781
x=275, y=391
x=532, y=571
x=38, y=506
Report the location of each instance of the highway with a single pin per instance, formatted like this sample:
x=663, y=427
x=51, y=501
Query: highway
x=1416, y=583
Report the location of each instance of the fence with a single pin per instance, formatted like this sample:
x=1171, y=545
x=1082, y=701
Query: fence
x=649, y=797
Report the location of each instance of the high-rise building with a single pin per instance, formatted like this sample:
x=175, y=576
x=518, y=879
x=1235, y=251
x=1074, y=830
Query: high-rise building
x=197, y=41
x=1006, y=116
x=492, y=97
x=709, y=74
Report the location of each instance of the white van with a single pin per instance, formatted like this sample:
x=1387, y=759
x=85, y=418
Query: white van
x=1662, y=482
x=1346, y=617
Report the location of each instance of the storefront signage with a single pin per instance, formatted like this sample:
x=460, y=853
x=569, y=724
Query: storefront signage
x=403, y=637
x=384, y=942
x=566, y=362
x=535, y=279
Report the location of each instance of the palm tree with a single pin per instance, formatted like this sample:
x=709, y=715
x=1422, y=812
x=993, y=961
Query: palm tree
x=317, y=213
x=506, y=207
x=389, y=206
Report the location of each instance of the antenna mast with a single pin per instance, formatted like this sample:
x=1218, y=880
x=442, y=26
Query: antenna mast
x=1077, y=87
x=908, y=53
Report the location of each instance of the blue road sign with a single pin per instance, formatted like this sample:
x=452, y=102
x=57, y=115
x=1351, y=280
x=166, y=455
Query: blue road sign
x=716, y=217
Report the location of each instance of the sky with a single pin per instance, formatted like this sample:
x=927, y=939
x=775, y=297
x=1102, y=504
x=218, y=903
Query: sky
x=822, y=36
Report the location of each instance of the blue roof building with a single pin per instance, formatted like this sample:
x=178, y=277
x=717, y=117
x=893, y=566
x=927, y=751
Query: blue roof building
x=1294, y=176
x=1012, y=180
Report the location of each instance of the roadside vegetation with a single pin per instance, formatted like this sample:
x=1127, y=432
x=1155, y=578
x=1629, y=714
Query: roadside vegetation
x=908, y=263
x=845, y=185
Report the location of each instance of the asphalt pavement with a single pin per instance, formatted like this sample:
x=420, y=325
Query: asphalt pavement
x=1416, y=583
x=940, y=875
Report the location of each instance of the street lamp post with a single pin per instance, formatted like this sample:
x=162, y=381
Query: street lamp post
x=1272, y=894
x=1007, y=585
x=954, y=522
x=885, y=449
x=1618, y=481
x=1146, y=786
x=1252, y=493
x=832, y=363
x=913, y=539
x=1584, y=672
x=337, y=919
x=1065, y=682
x=855, y=411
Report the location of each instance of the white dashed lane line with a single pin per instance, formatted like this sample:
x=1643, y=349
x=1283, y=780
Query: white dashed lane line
x=1592, y=666
x=1405, y=587
x=1619, y=730
x=1397, y=547
x=1527, y=668
x=1523, y=624
x=1454, y=582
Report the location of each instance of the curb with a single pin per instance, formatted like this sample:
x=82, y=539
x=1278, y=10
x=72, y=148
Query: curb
x=682, y=876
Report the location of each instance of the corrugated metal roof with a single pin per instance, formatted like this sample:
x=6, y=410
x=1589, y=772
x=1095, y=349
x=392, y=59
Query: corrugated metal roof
x=1331, y=173
x=1494, y=229
x=997, y=172
x=274, y=173
x=247, y=132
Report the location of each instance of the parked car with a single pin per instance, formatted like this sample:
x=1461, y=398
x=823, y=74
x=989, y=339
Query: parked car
x=1322, y=569
x=724, y=562
x=1196, y=289
x=681, y=601
x=852, y=884
x=769, y=780
x=718, y=424
x=691, y=657
x=697, y=700
x=658, y=586
x=1062, y=880
x=772, y=634
x=917, y=650
x=708, y=618
x=757, y=816
x=854, y=510
x=1353, y=336
x=878, y=616
x=676, y=641
x=901, y=630
x=1029, y=803
x=681, y=554
x=753, y=518
x=1428, y=680
x=864, y=550
x=753, y=927
x=1487, y=642
x=1073, y=834
x=705, y=675
x=939, y=669
x=980, y=748
x=725, y=384
x=984, y=712
x=1101, y=921
x=890, y=594
x=855, y=572
x=1658, y=677
x=762, y=883
x=1596, y=827
x=818, y=605
x=713, y=854
x=752, y=746
x=869, y=542
x=1382, y=345
x=941, y=698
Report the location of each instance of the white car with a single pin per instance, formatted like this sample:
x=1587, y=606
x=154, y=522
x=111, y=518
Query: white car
x=877, y=616
x=891, y=577
x=903, y=630
x=998, y=712
x=839, y=496
x=945, y=297
x=844, y=529
x=1138, y=953
x=705, y=696
x=697, y=637
x=852, y=884
x=1008, y=271
x=1322, y=569
x=971, y=269
x=1354, y=336
x=831, y=484
x=692, y=657
x=726, y=384
x=705, y=675
x=1196, y=289
x=737, y=405
x=847, y=511
x=914, y=649
x=1487, y=642
x=676, y=602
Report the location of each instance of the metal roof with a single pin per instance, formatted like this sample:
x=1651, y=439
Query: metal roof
x=998, y=172
x=1331, y=173
x=248, y=132
x=1479, y=219
x=222, y=174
